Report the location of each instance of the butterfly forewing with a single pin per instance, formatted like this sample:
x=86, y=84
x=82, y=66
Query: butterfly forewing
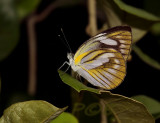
x=118, y=38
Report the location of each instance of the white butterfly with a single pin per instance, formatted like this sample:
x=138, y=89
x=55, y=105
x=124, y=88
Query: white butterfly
x=102, y=59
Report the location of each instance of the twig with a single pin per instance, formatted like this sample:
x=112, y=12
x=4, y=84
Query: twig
x=46, y=12
x=32, y=44
x=91, y=28
x=103, y=112
x=32, y=56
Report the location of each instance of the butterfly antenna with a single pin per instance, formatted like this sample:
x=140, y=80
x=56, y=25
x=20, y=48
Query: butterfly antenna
x=62, y=40
x=66, y=40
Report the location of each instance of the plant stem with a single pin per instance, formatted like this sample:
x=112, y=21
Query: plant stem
x=103, y=112
x=32, y=56
x=92, y=24
x=32, y=46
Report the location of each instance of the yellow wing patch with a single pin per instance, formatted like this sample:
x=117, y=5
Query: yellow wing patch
x=84, y=48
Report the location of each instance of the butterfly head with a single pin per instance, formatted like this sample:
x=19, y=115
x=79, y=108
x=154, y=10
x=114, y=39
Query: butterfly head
x=70, y=56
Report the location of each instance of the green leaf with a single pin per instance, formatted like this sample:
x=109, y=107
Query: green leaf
x=112, y=107
x=126, y=110
x=153, y=7
x=9, y=28
x=155, y=29
x=119, y=13
x=151, y=104
x=65, y=118
x=144, y=57
x=74, y=83
x=11, y=12
x=136, y=11
x=24, y=7
x=31, y=112
x=86, y=107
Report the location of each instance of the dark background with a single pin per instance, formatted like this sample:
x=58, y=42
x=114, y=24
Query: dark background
x=140, y=78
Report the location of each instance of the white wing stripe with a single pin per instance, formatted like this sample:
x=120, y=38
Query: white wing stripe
x=101, y=34
x=89, y=63
x=88, y=77
x=109, y=42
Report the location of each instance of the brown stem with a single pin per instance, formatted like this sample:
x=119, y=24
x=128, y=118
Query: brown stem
x=103, y=112
x=92, y=24
x=32, y=56
x=32, y=44
x=46, y=12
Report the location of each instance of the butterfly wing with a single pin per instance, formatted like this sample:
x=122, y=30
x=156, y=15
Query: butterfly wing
x=104, y=68
x=101, y=59
x=118, y=38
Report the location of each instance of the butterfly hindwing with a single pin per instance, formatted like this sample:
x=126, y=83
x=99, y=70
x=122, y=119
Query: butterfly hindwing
x=104, y=68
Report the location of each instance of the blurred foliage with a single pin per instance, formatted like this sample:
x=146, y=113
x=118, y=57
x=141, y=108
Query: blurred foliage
x=65, y=118
x=119, y=13
x=9, y=28
x=11, y=14
x=152, y=105
x=24, y=7
x=31, y=111
x=153, y=7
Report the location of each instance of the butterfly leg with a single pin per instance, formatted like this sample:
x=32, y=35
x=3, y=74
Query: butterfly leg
x=64, y=64
x=78, y=77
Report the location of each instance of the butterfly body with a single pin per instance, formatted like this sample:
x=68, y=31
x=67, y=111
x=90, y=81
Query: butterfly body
x=71, y=62
x=102, y=59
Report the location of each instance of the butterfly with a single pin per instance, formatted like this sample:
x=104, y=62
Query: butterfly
x=101, y=60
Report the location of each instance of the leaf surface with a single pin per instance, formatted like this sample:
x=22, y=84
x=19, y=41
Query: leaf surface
x=35, y=111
